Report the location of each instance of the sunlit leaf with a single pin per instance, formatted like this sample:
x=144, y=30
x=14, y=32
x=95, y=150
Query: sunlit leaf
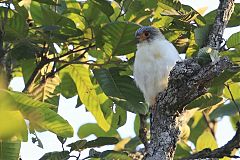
x=206, y=140
x=118, y=38
x=40, y=114
x=233, y=91
x=12, y=125
x=87, y=94
x=204, y=101
x=121, y=144
x=104, y=6
x=92, y=128
x=197, y=125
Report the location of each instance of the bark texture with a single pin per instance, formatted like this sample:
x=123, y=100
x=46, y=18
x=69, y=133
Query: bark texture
x=188, y=80
x=224, y=12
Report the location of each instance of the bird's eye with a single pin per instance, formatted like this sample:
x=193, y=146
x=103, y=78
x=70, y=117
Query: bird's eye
x=146, y=34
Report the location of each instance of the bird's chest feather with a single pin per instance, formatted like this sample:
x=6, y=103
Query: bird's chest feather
x=153, y=63
x=154, y=57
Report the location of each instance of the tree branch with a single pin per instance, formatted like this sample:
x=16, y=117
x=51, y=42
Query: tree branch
x=224, y=12
x=45, y=61
x=225, y=150
x=188, y=80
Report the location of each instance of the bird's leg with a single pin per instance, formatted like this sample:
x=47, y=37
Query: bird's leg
x=143, y=130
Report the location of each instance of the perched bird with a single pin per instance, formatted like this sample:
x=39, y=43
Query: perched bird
x=155, y=57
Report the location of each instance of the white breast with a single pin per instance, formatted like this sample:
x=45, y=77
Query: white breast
x=153, y=63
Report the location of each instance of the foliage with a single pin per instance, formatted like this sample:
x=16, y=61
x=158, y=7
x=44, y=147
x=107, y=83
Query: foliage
x=86, y=49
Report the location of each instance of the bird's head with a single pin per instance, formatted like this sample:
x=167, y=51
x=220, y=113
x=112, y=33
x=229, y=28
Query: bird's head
x=147, y=34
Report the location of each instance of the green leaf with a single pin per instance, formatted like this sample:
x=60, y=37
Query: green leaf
x=137, y=125
x=63, y=155
x=16, y=26
x=89, y=11
x=132, y=144
x=170, y=5
x=206, y=140
x=182, y=151
x=87, y=94
x=67, y=83
x=100, y=141
x=201, y=35
x=234, y=120
x=28, y=66
x=121, y=89
x=234, y=91
x=104, y=6
x=49, y=2
x=204, y=101
x=233, y=55
x=210, y=17
x=92, y=128
x=110, y=155
x=228, y=109
x=78, y=145
x=192, y=47
x=233, y=40
x=223, y=77
x=67, y=27
x=9, y=150
x=118, y=38
x=197, y=125
x=24, y=50
x=234, y=20
x=40, y=114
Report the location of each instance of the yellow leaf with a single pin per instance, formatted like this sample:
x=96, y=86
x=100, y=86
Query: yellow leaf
x=12, y=126
x=206, y=140
x=121, y=145
x=202, y=10
x=87, y=94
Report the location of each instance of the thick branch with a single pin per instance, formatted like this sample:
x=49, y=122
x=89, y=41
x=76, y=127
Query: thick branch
x=224, y=12
x=188, y=80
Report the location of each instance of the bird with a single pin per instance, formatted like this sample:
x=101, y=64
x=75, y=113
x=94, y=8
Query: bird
x=154, y=59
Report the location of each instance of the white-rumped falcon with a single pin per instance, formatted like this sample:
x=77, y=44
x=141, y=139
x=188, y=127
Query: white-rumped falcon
x=155, y=57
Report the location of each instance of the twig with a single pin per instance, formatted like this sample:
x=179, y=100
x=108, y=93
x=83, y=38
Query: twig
x=65, y=65
x=224, y=151
x=232, y=98
x=2, y=32
x=33, y=76
x=208, y=121
x=73, y=51
x=45, y=61
x=143, y=130
x=121, y=10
